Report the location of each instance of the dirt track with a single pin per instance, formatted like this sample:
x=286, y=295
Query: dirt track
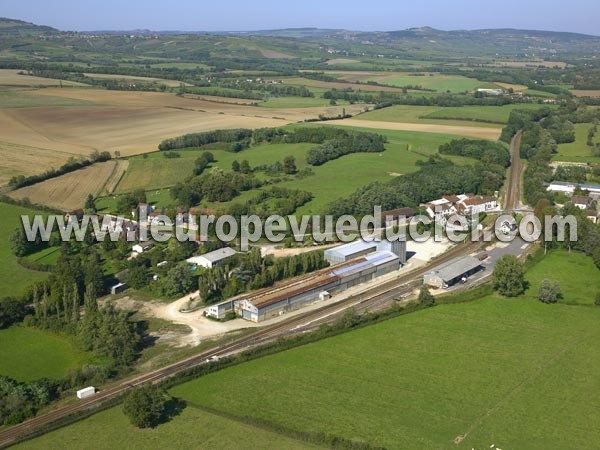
x=473, y=132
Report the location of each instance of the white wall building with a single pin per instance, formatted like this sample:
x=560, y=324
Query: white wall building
x=211, y=259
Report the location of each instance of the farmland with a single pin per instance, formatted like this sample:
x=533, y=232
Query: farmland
x=68, y=192
x=432, y=81
x=13, y=277
x=192, y=429
x=131, y=122
x=481, y=372
x=12, y=78
x=470, y=131
x=578, y=151
x=486, y=116
x=29, y=354
x=403, y=150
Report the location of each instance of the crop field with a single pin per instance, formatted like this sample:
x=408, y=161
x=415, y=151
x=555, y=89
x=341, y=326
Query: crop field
x=333, y=85
x=472, y=374
x=169, y=83
x=30, y=353
x=69, y=191
x=579, y=278
x=470, y=131
x=578, y=151
x=19, y=159
x=131, y=122
x=11, y=77
x=295, y=102
x=583, y=93
x=30, y=99
x=192, y=429
x=14, y=278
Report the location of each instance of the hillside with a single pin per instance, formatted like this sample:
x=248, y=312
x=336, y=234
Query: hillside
x=19, y=28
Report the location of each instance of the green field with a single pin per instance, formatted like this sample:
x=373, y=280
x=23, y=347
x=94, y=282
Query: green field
x=296, y=102
x=439, y=83
x=490, y=371
x=15, y=99
x=493, y=114
x=30, y=353
x=330, y=181
x=578, y=151
x=458, y=115
x=192, y=429
x=579, y=278
x=14, y=278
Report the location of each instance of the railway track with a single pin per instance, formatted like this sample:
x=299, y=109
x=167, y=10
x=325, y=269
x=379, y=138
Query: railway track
x=513, y=189
x=371, y=298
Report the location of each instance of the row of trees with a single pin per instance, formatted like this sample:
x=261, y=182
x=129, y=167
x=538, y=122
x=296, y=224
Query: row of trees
x=254, y=272
x=71, y=165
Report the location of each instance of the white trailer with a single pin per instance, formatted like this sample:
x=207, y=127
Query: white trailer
x=86, y=392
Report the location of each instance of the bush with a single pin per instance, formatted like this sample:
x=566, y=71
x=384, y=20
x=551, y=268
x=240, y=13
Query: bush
x=145, y=406
x=508, y=279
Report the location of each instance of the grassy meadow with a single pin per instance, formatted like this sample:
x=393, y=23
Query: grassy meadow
x=483, y=373
x=459, y=115
x=28, y=354
x=155, y=173
x=436, y=82
x=578, y=277
x=14, y=278
x=578, y=151
x=192, y=429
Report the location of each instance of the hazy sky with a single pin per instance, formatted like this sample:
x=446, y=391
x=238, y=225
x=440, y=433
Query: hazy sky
x=574, y=15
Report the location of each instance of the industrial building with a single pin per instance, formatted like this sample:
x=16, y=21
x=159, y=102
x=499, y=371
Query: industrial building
x=211, y=259
x=362, y=262
x=356, y=249
x=220, y=310
x=277, y=300
x=452, y=272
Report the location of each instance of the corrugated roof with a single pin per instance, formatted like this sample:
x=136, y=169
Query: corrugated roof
x=352, y=248
x=213, y=256
x=275, y=294
x=456, y=267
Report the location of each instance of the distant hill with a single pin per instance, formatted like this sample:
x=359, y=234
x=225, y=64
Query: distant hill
x=19, y=28
x=415, y=43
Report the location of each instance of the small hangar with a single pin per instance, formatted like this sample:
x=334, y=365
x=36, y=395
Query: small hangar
x=452, y=272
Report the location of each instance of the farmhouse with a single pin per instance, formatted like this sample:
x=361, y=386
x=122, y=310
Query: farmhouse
x=581, y=201
x=452, y=272
x=212, y=259
x=462, y=204
x=142, y=247
x=277, y=300
x=356, y=249
x=475, y=205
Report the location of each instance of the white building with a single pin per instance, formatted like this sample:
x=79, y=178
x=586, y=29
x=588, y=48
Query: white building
x=211, y=259
x=142, y=247
x=568, y=188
